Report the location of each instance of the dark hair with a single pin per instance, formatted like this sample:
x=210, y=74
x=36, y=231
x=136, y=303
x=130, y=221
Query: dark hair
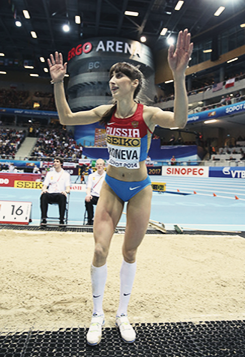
x=59, y=158
x=131, y=72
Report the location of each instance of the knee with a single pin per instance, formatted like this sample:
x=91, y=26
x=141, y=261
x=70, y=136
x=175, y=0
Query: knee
x=129, y=255
x=43, y=196
x=60, y=199
x=87, y=198
x=87, y=203
x=100, y=252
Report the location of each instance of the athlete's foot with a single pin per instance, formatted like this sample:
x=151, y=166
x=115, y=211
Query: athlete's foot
x=127, y=332
x=95, y=330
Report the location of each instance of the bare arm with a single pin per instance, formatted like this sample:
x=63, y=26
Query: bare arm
x=66, y=116
x=88, y=191
x=88, y=197
x=178, y=60
x=44, y=189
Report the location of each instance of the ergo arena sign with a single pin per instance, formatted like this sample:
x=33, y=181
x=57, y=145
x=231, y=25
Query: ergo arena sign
x=133, y=48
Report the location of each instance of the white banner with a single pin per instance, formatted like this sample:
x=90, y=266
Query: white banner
x=84, y=162
x=69, y=164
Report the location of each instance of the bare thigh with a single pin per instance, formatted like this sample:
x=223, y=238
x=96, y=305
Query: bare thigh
x=138, y=215
x=107, y=215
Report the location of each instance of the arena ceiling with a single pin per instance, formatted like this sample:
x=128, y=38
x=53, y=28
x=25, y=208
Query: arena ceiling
x=103, y=18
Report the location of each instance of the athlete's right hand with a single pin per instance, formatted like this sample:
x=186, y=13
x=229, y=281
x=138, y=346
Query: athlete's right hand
x=56, y=67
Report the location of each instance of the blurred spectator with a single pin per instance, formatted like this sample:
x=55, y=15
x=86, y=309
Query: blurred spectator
x=173, y=161
x=172, y=140
x=31, y=131
x=10, y=141
x=243, y=156
x=56, y=142
x=228, y=99
x=90, y=170
x=223, y=100
x=36, y=170
x=12, y=168
x=180, y=140
x=13, y=98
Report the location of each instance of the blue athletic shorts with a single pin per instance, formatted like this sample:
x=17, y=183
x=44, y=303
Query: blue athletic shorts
x=126, y=190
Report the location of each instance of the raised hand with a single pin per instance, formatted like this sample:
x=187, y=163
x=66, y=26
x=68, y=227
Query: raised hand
x=178, y=59
x=56, y=67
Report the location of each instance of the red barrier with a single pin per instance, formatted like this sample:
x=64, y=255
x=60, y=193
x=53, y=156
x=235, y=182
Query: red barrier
x=8, y=179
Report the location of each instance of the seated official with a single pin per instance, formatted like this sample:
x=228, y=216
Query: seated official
x=55, y=188
x=94, y=185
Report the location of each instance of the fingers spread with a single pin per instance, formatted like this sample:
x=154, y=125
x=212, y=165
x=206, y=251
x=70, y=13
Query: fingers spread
x=171, y=51
x=56, y=57
x=187, y=40
x=190, y=49
x=183, y=41
x=52, y=61
x=60, y=58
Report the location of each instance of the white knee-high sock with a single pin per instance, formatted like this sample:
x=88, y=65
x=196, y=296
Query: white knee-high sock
x=98, y=278
x=127, y=275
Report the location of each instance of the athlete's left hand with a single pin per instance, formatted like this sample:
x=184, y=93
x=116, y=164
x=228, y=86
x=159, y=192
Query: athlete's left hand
x=178, y=59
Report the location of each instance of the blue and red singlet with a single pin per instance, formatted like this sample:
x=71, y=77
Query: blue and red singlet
x=128, y=140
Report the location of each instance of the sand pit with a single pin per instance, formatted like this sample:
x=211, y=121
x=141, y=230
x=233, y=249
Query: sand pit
x=45, y=279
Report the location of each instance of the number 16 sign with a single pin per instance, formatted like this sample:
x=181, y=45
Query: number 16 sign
x=15, y=212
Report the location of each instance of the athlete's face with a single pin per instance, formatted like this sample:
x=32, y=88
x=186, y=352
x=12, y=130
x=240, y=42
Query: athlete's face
x=120, y=84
